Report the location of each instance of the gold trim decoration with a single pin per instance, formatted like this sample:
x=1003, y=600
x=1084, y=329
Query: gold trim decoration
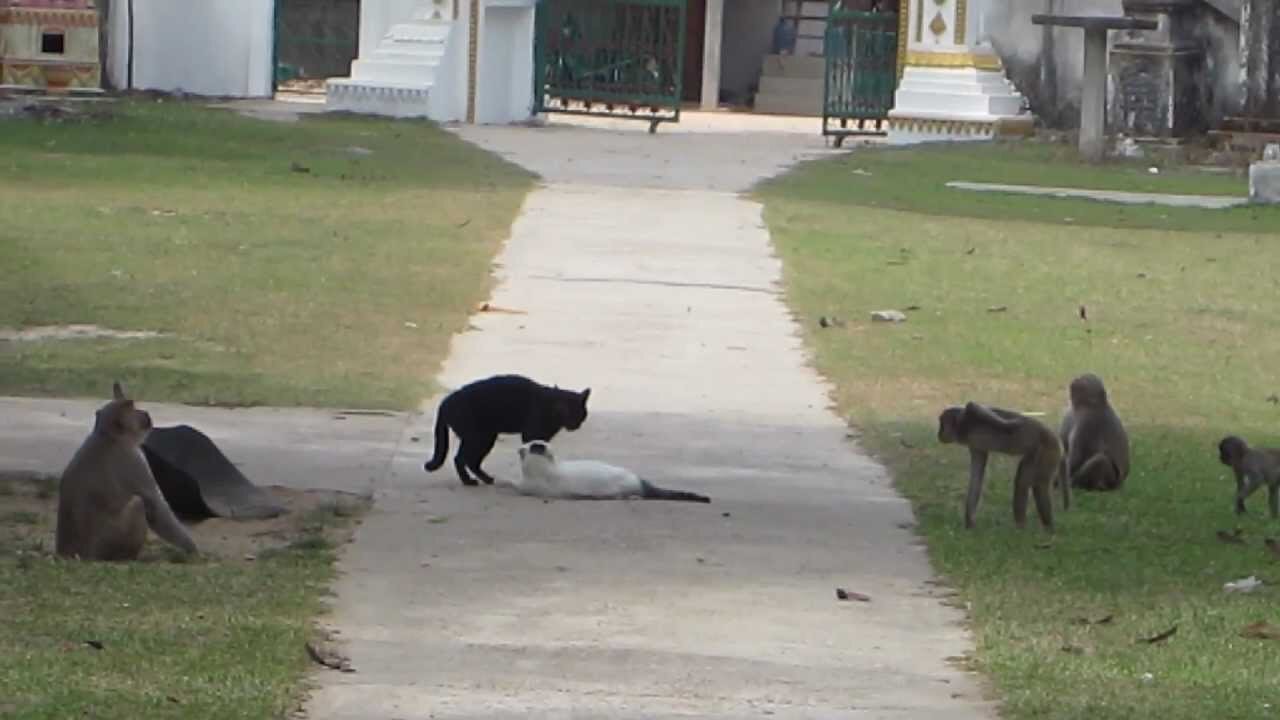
x=1004, y=127
x=920, y=58
x=48, y=16
x=962, y=10
x=904, y=15
x=937, y=25
x=473, y=34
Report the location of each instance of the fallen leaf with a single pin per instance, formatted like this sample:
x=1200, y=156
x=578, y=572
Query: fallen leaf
x=1084, y=314
x=329, y=659
x=1273, y=399
x=842, y=594
x=997, y=308
x=1233, y=538
x=1273, y=546
x=1260, y=630
x=725, y=514
x=95, y=644
x=1073, y=649
x=464, y=223
x=1104, y=620
x=970, y=251
x=298, y=168
x=909, y=308
x=1160, y=637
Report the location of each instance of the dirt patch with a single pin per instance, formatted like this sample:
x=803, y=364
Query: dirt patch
x=28, y=510
x=72, y=332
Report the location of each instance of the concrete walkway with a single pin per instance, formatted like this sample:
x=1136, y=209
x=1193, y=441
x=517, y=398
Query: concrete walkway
x=643, y=275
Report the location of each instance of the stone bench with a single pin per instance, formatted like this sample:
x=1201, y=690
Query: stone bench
x=1093, y=91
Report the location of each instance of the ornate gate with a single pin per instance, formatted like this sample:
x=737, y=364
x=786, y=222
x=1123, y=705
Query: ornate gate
x=314, y=40
x=617, y=58
x=861, y=52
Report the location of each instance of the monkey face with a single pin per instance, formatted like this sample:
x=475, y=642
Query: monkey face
x=1088, y=391
x=949, y=425
x=1230, y=448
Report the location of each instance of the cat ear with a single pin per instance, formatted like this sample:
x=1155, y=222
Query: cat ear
x=585, y=394
x=117, y=392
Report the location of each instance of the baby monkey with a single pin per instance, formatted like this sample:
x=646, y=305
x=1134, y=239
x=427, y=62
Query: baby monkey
x=1252, y=467
x=984, y=429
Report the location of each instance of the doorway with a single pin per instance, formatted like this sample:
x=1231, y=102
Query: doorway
x=695, y=24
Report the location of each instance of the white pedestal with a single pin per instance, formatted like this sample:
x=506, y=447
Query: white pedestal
x=397, y=77
x=953, y=86
x=964, y=103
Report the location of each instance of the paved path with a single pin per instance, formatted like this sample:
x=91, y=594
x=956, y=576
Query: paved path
x=643, y=275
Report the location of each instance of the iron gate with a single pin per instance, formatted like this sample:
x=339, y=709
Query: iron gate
x=617, y=58
x=314, y=40
x=861, y=50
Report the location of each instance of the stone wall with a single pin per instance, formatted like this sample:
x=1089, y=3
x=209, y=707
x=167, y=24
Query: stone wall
x=1046, y=64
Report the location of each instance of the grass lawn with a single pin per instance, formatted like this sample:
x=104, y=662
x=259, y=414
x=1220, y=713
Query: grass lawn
x=1181, y=325
x=325, y=262
x=222, y=636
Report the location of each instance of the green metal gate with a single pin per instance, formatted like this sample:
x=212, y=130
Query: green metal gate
x=861, y=52
x=616, y=58
x=314, y=40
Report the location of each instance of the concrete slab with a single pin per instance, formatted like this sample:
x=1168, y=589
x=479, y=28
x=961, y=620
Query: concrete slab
x=461, y=602
x=1264, y=182
x=1207, y=202
x=299, y=448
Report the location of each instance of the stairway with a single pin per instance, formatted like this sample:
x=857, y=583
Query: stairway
x=791, y=85
x=791, y=81
x=397, y=77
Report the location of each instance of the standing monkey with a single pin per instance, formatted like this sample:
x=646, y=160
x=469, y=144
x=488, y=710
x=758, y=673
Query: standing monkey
x=1253, y=468
x=986, y=430
x=1097, y=446
x=108, y=496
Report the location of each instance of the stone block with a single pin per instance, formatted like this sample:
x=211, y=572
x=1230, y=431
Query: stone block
x=1264, y=183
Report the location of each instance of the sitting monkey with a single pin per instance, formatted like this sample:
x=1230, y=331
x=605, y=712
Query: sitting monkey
x=1097, y=446
x=108, y=497
x=984, y=429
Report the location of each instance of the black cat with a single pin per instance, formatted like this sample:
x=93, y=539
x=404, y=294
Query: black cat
x=479, y=411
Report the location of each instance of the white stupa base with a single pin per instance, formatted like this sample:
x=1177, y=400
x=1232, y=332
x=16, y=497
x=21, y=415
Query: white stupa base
x=371, y=98
x=397, y=77
x=956, y=104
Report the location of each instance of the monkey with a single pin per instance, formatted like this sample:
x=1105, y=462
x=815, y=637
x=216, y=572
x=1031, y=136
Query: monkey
x=1253, y=467
x=107, y=497
x=984, y=430
x=1096, y=445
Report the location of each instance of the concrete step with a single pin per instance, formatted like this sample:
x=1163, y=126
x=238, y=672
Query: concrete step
x=808, y=87
x=792, y=66
x=789, y=105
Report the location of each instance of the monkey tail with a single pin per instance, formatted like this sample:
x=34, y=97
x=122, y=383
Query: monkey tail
x=442, y=441
x=653, y=492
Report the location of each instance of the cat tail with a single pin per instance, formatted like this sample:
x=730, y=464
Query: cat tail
x=442, y=442
x=653, y=492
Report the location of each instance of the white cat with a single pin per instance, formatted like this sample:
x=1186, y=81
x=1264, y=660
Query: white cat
x=542, y=475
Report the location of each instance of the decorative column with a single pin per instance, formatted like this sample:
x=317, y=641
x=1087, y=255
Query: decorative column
x=711, y=54
x=1260, y=57
x=953, y=85
x=1157, y=76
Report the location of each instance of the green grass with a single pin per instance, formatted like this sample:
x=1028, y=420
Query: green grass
x=192, y=640
x=914, y=178
x=338, y=286
x=1180, y=325
x=180, y=636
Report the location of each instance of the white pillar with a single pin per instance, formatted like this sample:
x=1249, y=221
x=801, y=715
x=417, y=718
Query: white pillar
x=1093, y=95
x=711, y=54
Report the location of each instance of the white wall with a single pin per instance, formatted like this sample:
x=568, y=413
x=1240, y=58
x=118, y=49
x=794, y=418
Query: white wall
x=748, y=37
x=216, y=47
x=504, y=72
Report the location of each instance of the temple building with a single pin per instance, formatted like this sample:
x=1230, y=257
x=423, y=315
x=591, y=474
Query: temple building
x=49, y=45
